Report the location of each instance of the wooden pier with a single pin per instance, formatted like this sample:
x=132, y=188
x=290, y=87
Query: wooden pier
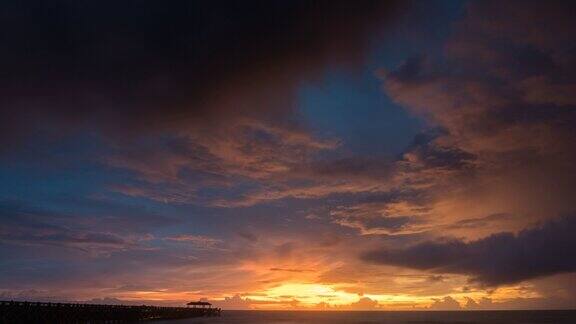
x=39, y=312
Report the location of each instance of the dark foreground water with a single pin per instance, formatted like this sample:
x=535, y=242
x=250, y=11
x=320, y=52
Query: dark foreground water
x=469, y=317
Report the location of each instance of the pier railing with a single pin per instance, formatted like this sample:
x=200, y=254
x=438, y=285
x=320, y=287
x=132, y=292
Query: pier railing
x=41, y=312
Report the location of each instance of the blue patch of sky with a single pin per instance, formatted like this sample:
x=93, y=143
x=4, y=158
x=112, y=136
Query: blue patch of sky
x=351, y=104
x=356, y=111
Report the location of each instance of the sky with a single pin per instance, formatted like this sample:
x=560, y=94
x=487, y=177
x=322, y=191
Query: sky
x=299, y=155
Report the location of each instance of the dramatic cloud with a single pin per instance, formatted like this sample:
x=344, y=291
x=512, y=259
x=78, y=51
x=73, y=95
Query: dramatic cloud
x=186, y=96
x=168, y=152
x=502, y=258
x=498, y=150
x=141, y=66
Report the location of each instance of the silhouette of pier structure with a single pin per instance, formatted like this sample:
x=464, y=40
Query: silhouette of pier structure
x=40, y=312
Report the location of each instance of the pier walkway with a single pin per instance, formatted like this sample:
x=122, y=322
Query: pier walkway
x=39, y=312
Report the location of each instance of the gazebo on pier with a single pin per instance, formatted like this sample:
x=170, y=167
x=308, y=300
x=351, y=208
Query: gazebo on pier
x=199, y=304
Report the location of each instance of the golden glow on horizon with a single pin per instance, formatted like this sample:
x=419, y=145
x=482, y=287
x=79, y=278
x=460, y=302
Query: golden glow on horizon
x=289, y=289
x=319, y=296
x=307, y=294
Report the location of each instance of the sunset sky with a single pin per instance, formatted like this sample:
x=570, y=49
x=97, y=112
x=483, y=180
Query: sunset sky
x=334, y=155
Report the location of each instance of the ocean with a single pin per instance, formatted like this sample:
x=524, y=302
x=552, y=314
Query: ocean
x=391, y=317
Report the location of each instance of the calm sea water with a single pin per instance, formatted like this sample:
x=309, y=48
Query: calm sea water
x=468, y=317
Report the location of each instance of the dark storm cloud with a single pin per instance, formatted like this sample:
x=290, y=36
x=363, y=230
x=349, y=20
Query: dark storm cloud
x=136, y=66
x=499, y=100
x=502, y=258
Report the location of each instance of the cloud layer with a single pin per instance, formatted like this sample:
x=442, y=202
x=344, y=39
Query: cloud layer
x=140, y=67
x=502, y=258
x=164, y=152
